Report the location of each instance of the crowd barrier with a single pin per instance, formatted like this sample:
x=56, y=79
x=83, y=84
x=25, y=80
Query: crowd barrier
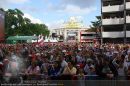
x=66, y=77
x=75, y=80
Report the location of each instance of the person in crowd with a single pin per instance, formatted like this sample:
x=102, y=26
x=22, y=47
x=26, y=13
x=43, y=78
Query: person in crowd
x=118, y=62
x=127, y=60
x=10, y=70
x=24, y=51
x=107, y=70
x=69, y=71
x=89, y=67
x=63, y=65
x=80, y=75
x=54, y=70
x=128, y=73
x=79, y=58
x=107, y=61
x=33, y=69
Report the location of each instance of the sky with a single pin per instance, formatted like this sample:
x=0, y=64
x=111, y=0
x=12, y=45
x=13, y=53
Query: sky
x=54, y=13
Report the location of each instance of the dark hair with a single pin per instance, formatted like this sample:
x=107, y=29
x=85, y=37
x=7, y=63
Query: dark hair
x=128, y=67
x=72, y=63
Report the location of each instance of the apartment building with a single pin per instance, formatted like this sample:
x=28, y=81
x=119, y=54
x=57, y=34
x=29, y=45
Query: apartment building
x=115, y=21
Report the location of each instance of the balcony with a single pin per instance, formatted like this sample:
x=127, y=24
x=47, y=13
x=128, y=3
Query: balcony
x=112, y=34
x=113, y=8
x=88, y=37
x=127, y=19
x=127, y=33
x=113, y=21
x=127, y=5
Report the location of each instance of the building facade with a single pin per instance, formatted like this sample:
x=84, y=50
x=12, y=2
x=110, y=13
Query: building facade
x=70, y=30
x=115, y=21
x=89, y=37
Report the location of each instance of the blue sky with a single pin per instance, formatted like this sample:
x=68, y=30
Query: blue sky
x=55, y=12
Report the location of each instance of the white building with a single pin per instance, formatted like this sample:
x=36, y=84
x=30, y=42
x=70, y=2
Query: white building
x=70, y=30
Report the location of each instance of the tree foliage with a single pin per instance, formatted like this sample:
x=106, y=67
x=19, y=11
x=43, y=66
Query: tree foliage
x=96, y=25
x=17, y=24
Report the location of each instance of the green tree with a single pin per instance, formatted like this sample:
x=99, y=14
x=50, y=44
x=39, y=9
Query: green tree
x=17, y=24
x=96, y=25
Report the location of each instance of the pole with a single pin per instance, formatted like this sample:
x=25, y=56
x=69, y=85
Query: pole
x=125, y=38
x=101, y=36
x=37, y=39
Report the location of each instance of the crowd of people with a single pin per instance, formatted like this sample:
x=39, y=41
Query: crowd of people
x=66, y=61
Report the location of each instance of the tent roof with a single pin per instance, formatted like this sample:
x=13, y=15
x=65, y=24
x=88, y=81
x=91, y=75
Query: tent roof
x=22, y=38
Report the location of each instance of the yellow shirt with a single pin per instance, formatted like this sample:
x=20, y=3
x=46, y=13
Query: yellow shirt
x=68, y=71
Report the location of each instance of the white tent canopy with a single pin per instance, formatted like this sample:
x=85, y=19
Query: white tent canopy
x=50, y=40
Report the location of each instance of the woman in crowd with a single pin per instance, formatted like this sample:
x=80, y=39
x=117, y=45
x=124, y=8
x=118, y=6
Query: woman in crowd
x=69, y=71
x=33, y=71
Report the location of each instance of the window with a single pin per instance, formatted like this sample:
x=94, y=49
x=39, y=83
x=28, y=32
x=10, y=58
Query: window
x=87, y=34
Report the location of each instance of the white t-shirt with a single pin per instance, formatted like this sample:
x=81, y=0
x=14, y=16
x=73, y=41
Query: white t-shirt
x=64, y=64
x=126, y=62
x=79, y=58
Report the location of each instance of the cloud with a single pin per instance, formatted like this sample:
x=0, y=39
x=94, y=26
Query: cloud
x=33, y=20
x=5, y=3
x=79, y=3
x=79, y=18
x=73, y=6
x=30, y=9
x=18, y=1
x=72, y=9
x=55, y=24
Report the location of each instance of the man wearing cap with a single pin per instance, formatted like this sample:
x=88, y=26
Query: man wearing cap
x=89, y=67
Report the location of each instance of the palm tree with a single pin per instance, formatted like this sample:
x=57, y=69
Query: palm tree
x=27, y=21
x=96, y=25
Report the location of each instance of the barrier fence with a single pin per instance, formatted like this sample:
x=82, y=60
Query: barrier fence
x=65, y=80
